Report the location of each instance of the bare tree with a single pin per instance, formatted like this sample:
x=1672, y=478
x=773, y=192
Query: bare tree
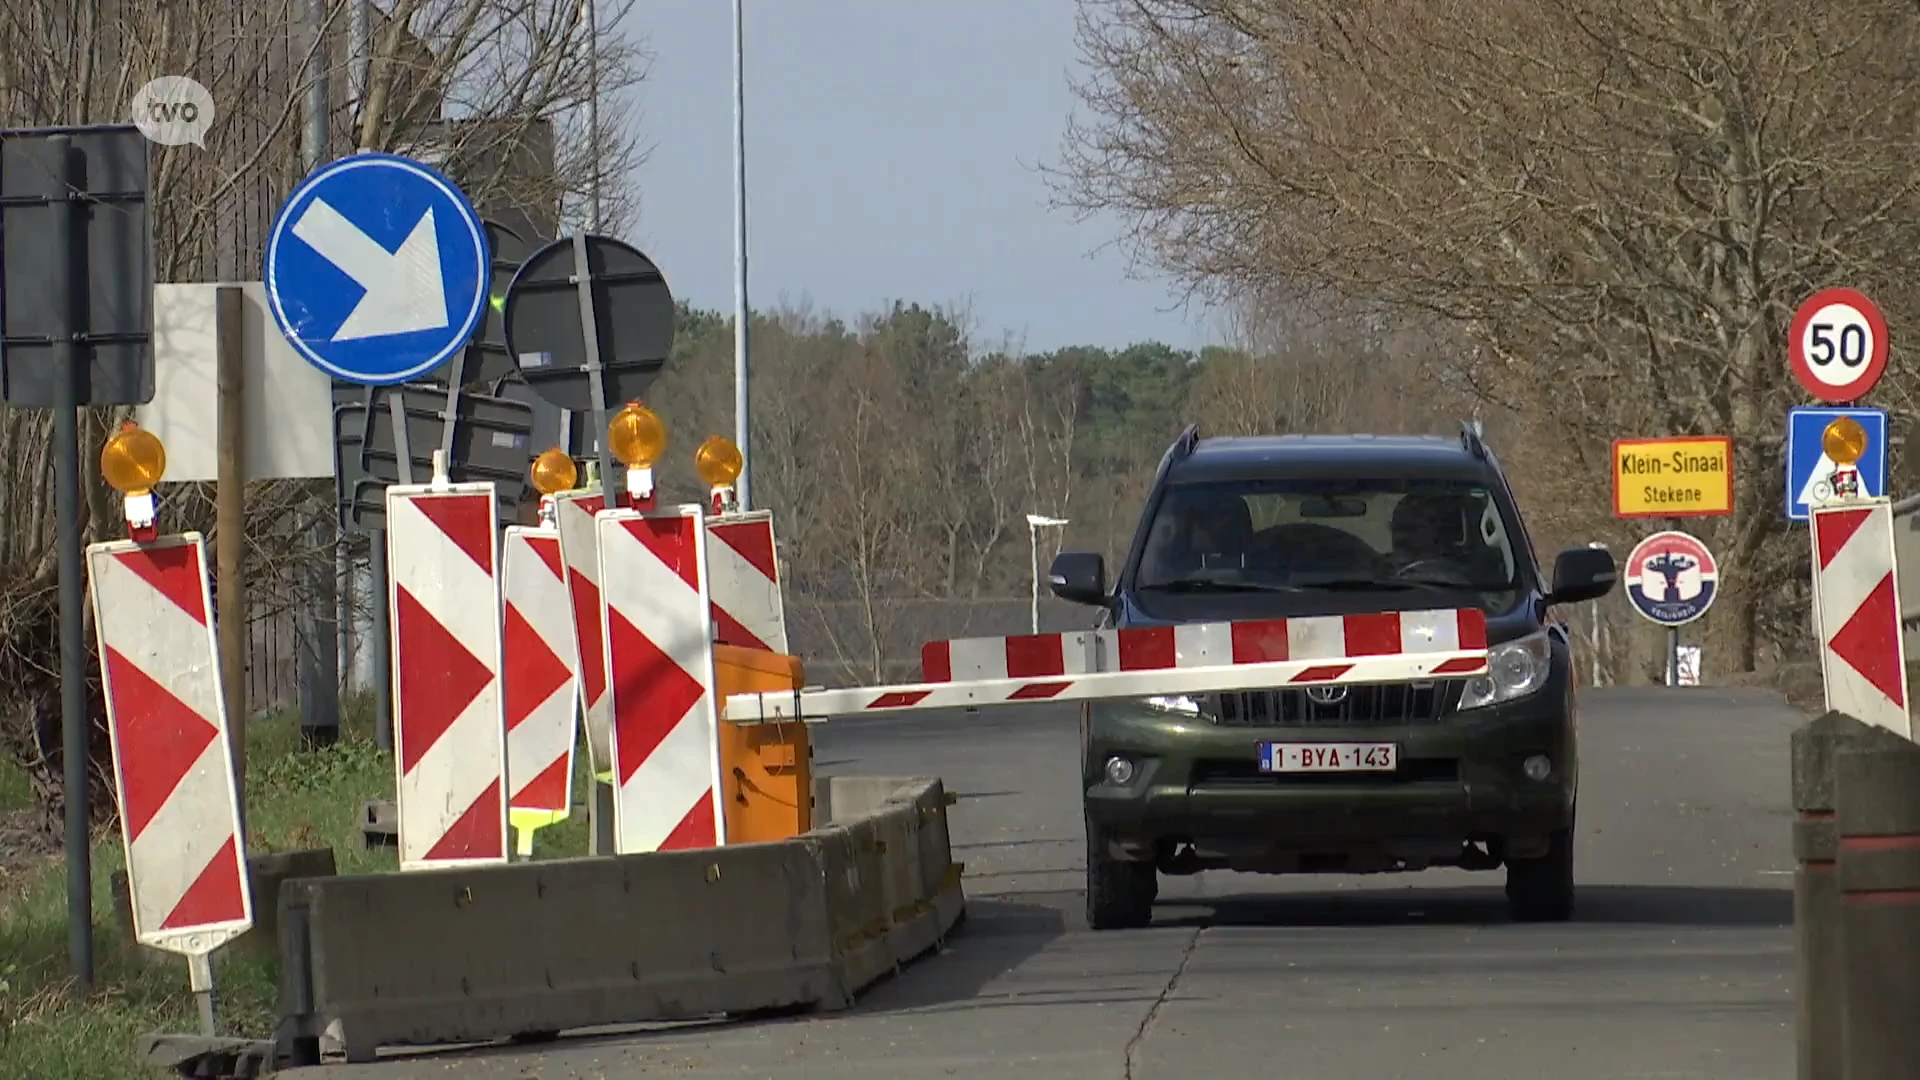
x=1615, y=206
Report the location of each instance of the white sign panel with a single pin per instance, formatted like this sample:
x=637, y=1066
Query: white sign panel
x=288, y=405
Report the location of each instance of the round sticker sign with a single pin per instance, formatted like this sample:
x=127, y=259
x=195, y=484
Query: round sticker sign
x=1671, y=578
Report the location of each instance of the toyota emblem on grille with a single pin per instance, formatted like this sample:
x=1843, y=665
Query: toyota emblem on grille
x=1326, y=695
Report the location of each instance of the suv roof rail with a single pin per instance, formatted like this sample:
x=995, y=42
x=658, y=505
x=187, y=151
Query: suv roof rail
x=1183, y=445
x=1470, y=438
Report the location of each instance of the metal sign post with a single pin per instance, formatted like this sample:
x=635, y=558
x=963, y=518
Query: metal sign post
x=590, y=321
x=76, y=330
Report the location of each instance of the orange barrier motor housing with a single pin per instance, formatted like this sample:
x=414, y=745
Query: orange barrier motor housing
x=767, y=769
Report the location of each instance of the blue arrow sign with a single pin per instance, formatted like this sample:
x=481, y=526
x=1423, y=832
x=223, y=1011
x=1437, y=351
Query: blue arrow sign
x=377, y=269
x=1808, y=466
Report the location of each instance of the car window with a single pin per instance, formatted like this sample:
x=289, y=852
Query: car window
x=1316, y=533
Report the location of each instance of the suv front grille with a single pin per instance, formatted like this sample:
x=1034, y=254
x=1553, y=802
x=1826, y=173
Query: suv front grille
x=1386, y=703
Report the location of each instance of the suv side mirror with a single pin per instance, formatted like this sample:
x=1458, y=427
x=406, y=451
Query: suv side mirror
x=1079, y=576
x=1582, y=573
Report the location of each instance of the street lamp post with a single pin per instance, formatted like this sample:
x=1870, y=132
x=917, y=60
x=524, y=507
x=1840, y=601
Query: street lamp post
x=742, y=425
x=1597, y=629
x=1034, y=524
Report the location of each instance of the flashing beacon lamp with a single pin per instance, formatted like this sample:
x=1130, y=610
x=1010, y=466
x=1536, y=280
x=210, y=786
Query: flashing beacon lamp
x=132, y=463
x=552, y=473
x=1845, y=442
x=636, y=436
x=719, y=463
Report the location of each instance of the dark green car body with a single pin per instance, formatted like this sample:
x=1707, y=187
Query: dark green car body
x=1194, y=795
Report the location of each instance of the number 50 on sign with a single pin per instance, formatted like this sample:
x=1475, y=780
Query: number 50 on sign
x=1838, y=345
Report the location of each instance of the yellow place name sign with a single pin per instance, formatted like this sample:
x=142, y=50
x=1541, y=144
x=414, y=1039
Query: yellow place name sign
x=1685, y=476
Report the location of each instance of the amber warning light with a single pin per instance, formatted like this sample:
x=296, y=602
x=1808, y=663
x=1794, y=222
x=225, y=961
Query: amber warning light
x=1845, y=441
x=719, y=463
x=552, y=473
x=638, y=438
x=132, y=463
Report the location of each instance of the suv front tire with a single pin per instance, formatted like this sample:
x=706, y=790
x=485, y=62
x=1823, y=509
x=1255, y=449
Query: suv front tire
x=1541, y=889
x=1120, y=893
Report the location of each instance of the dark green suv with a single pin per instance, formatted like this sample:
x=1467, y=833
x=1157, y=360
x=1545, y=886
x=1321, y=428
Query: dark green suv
x=1478, y=772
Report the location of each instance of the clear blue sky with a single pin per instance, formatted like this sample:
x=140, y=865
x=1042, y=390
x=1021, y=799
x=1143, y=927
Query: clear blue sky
x=893, y=149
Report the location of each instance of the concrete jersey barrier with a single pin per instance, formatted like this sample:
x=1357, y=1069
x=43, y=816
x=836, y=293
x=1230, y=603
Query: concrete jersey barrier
x=527, y=949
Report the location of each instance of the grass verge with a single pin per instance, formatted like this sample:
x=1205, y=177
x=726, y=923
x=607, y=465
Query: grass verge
x=295, y=800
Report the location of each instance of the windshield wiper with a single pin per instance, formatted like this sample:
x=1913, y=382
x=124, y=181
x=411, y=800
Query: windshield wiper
x=1388, y=584
x=1352, y=583
x=1184, y=585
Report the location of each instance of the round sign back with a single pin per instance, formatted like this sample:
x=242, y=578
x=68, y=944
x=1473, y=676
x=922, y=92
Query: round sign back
x=1671, y=578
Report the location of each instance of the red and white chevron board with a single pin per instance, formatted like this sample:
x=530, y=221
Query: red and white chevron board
x=542, y=702
x=748, y=610
x=172, y=764
x=580, y=553
x=1195, y=659
x=659, y=633
x=1324, y=637
x=1857, y=609
x=449, y=723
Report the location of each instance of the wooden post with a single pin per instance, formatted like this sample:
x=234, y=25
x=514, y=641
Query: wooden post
x=229, y=517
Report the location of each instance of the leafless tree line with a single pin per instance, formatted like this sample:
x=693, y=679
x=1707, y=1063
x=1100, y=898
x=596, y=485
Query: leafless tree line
x=1601, y=214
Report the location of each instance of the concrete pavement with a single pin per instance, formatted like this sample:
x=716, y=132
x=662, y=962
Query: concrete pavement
x=1677, y=963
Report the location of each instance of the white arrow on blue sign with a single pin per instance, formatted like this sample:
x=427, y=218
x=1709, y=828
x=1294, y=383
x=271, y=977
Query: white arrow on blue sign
x=1808, y=466
x=377, y=269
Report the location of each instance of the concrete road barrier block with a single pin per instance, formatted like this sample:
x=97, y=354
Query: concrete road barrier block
x=471, y=955
x=1819, y=972
x=1877, y=806
x=886, y=909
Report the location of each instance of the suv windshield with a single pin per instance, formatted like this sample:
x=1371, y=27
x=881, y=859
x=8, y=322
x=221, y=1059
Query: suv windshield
x=1307, y=535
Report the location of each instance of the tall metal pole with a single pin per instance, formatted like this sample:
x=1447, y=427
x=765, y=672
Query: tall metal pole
x=319, y=667
x=1033, y=536
x=61, y=257
x=379, y=659
x=742, y=428
x=1598, y=649
x=593, y=114
x=589, y=13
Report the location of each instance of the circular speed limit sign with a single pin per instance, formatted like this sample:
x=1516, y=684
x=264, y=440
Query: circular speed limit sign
x=1838, y=345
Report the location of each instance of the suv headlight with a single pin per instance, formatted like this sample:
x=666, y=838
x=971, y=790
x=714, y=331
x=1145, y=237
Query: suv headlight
x=1514, y=670
x=1182, y=704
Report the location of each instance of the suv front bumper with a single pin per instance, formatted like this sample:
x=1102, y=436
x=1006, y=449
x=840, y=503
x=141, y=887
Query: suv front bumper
x=1460, y=778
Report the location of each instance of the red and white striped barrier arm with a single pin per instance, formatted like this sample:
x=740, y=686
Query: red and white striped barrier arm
x=1196, y=658
x=1319, y=637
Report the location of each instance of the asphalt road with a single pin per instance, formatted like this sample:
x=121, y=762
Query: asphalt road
x=1677, y=963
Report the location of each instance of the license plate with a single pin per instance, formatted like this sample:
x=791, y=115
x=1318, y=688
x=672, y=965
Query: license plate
x=1328, y=757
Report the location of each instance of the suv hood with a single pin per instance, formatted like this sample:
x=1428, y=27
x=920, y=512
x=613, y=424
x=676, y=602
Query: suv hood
x=1174, y=609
